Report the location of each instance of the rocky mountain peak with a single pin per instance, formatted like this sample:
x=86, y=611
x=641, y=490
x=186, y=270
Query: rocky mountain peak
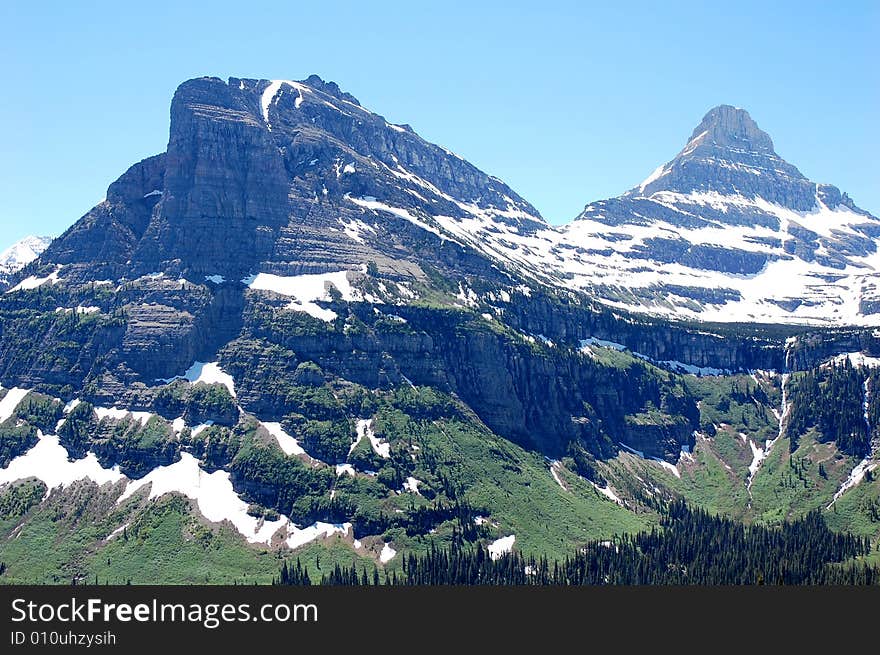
x=721, y=224
x=729, y=154
x=731, y=127
x=292, y=177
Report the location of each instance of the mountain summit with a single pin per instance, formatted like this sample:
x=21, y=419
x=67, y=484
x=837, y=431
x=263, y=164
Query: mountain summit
x=732, y=128
x=281, y=176
x=729, y=154
x=730, y=231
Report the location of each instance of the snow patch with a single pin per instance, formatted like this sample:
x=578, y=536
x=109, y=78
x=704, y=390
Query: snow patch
x=201, y=427
x=593, y=341
x=342, y=469
x=681, y=367
x=213, y=493
x=301, y=536
x=71, y=405
x=117, y=414
x=365, y=429
x=118, y=531
x=758, y=455
x=288, y=444
x=659, y=172
x=501, y=546
x=856, y=359
x=49, y=462
x=10, y=401
x=270, y=94
x=412, y=485
x=672, y=468
x=207, y=372
x=306, y=290
x=855, y=477
x=396, y=211
x=608, y=492
x=554, y=471
x=387, y=553
x=467, y=296
x=33, y=281
x=355, y=229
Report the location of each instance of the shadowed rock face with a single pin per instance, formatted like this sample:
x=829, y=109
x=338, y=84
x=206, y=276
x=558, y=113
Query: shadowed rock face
x=225, y=191
x=99, y=244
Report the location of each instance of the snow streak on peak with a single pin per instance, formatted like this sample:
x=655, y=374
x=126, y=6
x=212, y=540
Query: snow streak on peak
x=22, y=252
x=659, y=172
x=270, y=94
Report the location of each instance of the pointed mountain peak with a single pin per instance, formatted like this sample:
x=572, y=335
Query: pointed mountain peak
x=729, y=154
x=729, y=126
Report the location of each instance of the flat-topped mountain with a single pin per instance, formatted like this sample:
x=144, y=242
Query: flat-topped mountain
x=281, y=177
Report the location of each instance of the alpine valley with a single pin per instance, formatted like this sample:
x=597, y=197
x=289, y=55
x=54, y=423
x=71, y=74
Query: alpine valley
x=305, y=344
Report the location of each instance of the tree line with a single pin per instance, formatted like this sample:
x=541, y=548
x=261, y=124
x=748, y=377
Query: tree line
x=691, y=547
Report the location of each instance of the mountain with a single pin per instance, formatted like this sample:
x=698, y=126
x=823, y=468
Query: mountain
x=729, y=231
x=19, y=254
x=303, y=331
x=282, y=177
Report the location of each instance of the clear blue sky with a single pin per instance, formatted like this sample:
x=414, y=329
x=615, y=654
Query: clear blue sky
x=566, y=102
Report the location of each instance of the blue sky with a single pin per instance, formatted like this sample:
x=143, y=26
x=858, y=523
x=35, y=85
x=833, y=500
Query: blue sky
x=566, y=102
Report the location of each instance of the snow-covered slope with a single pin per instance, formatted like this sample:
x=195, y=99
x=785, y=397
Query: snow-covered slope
x=726, y=231
x=20, y=254
x=730, y=258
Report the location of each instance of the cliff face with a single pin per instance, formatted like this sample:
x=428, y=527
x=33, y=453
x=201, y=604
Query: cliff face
x=542, y=397
x=709, y=347
x=225, y=192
